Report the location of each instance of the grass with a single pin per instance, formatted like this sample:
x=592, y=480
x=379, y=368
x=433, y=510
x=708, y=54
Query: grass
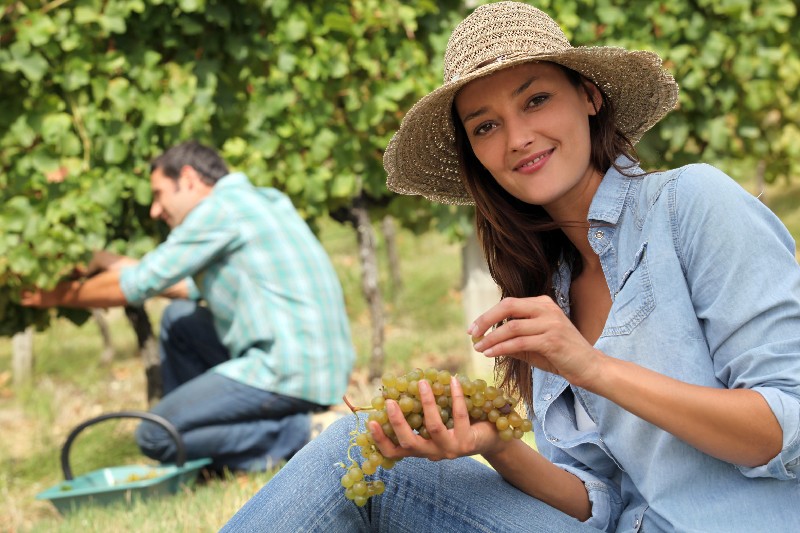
x=425, y=327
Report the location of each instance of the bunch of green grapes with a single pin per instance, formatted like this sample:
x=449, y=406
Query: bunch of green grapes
x=484, y=402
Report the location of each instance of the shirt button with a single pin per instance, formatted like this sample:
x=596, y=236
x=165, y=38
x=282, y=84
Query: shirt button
x=547, y=397
x=599, y=234
x=636, y=524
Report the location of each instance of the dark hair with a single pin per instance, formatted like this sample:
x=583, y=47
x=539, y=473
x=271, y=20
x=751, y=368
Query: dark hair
x=206, y=161
x=520, y=241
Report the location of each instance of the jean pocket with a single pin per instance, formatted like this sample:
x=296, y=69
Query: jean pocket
x=633, y=299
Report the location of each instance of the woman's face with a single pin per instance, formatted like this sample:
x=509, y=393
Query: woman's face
x=529, y=126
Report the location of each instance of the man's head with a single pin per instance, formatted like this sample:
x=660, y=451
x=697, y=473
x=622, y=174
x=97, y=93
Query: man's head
x=180, y=178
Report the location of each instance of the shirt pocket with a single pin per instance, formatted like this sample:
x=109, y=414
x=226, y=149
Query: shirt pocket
x=633, y=299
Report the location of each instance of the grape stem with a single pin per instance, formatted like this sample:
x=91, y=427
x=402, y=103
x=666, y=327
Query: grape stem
x=352, y=407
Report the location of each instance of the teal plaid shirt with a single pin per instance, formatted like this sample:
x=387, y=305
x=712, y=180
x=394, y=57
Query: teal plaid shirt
x=276, y=300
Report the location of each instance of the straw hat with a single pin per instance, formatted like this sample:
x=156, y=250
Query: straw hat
x=421, y=157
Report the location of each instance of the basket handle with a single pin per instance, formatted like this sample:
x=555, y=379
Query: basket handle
x=144, y=415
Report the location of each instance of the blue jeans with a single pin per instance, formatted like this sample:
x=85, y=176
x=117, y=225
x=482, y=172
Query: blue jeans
x=238, y=426
x=456, y=496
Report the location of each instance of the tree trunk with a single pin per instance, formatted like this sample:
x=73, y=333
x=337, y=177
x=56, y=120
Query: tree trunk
x=390, y=234
x=148, y=350
x=479, y=293
x=367, y=249
x=22, y=357
x=108, y=347
x=761, y=168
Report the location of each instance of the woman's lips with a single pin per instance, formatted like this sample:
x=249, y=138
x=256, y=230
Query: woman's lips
x=534, y=162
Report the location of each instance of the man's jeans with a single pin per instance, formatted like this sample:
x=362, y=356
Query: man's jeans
x=238, y=426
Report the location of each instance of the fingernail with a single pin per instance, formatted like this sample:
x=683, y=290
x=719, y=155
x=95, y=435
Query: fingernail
x=472, y=328
x=424, y=385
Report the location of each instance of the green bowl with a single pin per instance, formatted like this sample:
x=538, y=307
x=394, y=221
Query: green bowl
x=122, y=484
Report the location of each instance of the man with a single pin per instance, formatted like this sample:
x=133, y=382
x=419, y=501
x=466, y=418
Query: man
x=269, y=344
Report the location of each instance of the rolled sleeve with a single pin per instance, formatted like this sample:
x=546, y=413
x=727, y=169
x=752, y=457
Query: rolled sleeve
x=129, y=281
x=191, y=287
x=606, y=505
x=603, y=494
x=786, y=464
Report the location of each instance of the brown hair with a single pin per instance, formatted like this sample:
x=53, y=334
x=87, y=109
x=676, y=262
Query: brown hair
x=520, y=241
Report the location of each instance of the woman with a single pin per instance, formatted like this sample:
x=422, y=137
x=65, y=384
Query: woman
x=662, y=370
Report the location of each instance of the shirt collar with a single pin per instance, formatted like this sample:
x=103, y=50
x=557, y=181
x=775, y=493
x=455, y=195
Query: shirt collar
x=232, y=180
x=609, y=199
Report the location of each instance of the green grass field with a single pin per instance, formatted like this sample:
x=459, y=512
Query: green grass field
x=425, y=327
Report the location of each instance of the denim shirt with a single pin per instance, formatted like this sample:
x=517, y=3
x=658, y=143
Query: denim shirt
x=706, y=289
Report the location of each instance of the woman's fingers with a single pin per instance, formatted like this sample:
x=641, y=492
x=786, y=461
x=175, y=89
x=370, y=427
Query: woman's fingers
x=506, y=310
x=443, y=442
x=399, y=427
x=459, y=410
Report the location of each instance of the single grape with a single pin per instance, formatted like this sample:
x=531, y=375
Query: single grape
x=378, y=402
x=406, y=404
x=401, y=384
x=347, y=481
x=501, y=423
x=414, y=420
x=506, y=434
x=359, y=488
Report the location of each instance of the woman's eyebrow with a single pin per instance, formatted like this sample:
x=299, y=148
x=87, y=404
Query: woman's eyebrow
x=524, y=86
x=474, y=114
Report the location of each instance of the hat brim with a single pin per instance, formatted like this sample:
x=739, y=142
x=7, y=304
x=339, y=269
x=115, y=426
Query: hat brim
x=421, y=158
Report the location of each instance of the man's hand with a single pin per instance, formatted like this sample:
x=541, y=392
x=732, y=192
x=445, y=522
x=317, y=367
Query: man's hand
x=102, y=290
x=41, y=298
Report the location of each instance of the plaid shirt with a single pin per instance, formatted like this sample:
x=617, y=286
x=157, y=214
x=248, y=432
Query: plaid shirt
x=276, y=300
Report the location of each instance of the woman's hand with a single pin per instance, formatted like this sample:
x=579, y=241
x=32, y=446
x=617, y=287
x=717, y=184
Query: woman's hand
x=537, y=331
x=464, y=439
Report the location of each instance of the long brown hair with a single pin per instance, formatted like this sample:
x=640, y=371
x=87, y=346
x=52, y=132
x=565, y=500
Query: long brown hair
x=520, y=241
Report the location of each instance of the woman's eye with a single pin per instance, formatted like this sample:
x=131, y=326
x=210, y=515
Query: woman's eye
x=484, y=128
x=538, y=100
